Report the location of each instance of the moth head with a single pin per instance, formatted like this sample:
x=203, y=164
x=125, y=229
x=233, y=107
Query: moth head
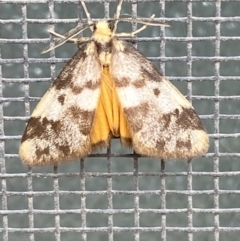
x=103, y=28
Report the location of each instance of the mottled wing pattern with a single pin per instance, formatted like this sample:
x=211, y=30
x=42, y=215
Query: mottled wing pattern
x=162, y=121
x=59, y=128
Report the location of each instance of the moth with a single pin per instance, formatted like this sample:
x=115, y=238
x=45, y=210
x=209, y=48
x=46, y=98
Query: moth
x=108, y=88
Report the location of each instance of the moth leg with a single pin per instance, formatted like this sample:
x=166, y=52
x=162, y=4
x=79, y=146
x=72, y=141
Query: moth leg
x=74, y=40
x=137, y=31
x=144, y=26
x=162, y=165
x=56, y=34
x=117, y=14
x=81, y=40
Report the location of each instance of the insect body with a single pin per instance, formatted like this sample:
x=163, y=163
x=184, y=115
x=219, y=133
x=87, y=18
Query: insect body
x=108, y=88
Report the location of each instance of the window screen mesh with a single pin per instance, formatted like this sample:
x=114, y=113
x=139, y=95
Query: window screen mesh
x=114, y=194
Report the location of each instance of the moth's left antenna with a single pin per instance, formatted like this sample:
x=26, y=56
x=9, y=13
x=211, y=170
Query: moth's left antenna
x=90, y=22
x=118, y=11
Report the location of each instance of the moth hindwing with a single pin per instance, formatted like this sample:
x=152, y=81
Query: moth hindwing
x=108, y=88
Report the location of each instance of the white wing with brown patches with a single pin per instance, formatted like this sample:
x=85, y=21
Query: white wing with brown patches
x=59, y=128
x=162, y=121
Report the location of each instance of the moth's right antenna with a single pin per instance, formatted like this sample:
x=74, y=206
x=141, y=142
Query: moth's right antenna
x=90, y=22
x=117, y=14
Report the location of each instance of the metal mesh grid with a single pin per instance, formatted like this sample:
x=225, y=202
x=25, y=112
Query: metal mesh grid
x=116, y=195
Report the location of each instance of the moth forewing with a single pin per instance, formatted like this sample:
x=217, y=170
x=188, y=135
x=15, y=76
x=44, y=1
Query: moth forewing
x=162, y=121
x=59, y=128
x=108, y=89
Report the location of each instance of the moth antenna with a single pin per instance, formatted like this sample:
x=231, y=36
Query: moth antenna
x=90, y=22
x=118, y=11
